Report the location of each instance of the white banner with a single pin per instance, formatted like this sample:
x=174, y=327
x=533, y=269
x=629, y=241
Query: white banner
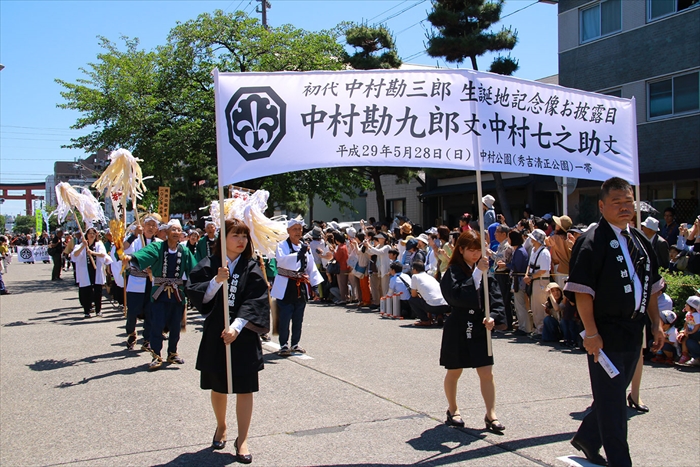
x=30, y=254
x=270, y=123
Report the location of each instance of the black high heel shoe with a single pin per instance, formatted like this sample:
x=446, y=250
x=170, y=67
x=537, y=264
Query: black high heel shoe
x=242, y=458
x=635, y=406
x=217, y=444
x=451, y=419
x=494, y=425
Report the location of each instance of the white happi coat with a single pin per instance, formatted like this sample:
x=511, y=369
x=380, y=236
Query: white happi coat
x=137, y=284
x=81, y=269
x=288, y=260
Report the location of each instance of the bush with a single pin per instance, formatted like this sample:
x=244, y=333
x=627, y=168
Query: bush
x=679, y=287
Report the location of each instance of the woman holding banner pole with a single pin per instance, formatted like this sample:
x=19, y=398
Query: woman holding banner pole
x=465, y=333
x=248, y=314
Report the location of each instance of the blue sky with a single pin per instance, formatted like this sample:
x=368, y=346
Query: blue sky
x=44, y=40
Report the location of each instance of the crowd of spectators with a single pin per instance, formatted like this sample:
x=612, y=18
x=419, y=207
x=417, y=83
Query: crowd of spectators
x=529, y=261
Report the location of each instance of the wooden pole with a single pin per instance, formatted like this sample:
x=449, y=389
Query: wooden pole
x=222, y=239
x=222, y=222
x=485, y=278
x=82, y=234
x=124, y=266
x=637, y=191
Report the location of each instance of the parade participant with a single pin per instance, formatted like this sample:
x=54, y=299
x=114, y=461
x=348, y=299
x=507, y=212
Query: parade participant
x=192, y=241
x=249, y=316
x=614, y=276
x=90, y=274
x=138, y=284
x=162, y=233
x=206, y=244
x=170, y=263
x=464, y=336
x=56, y=252
x=117, y=288
x=296, y=276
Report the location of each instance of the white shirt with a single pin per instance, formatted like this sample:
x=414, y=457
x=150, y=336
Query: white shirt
x=542, y=258
x=396, y=285
x=429, y=288
x=238, y=323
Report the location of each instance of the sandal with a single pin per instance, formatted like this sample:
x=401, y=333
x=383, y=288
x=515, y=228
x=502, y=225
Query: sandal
x=454, y=419
x=494, y=425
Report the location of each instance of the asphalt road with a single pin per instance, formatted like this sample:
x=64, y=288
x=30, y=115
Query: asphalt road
x=370, y=393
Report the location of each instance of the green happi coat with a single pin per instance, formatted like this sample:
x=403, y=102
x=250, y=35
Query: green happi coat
x=153, y=256
x=201, y=251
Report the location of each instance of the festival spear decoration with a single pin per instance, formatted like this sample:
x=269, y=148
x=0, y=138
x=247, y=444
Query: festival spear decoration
x=122, y=180
x=70, y=200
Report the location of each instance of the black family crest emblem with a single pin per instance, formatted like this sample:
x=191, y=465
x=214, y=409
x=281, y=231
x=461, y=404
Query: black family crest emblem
x=256, y=121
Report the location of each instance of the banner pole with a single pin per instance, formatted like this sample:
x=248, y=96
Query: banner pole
x=638, y=192
x=565, y=196
x=222, y=228
x=485, y=278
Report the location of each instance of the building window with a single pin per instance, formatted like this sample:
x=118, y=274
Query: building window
x=676, y=95
x=601, y=19
x=613, y=92
x=659, y=8
x=395, y=207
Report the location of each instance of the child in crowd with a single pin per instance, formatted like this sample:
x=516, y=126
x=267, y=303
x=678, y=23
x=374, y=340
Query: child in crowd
x=668, y=351
x=400, y=284
x=691, y=326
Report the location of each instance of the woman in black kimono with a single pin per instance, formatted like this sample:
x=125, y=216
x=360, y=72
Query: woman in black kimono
x=464, y=333
x=249, y=314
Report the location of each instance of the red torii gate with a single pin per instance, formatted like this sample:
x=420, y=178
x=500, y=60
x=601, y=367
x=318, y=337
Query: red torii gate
x=28, y=196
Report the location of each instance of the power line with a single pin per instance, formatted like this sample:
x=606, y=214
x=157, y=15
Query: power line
x=386, y=11
x=415, y=55
x=411, y=26
x=514, y=12
x=399, y=13
x=36, y=128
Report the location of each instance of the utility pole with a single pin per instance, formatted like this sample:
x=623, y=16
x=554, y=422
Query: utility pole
x=264, y=5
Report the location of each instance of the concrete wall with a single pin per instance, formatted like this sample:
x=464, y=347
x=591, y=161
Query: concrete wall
x=393, y=190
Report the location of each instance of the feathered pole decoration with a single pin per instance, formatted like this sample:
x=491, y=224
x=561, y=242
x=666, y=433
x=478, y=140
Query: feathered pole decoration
x=265, y=233
x=123, y=178
x=68, y=200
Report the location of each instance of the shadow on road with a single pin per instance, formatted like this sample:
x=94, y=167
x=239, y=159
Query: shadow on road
x=206, y=457
x=50, y=364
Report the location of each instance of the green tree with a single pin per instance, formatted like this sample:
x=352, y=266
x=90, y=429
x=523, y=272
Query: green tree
x=24, y=224
x=375, y=48
x=463, y=31
x=2, y=223
x=160, y=103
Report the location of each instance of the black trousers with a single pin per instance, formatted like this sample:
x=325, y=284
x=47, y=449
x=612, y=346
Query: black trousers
x=421, y=309
x=57, y=264
x=503, y=280
x=89, y=295
x=606, y=423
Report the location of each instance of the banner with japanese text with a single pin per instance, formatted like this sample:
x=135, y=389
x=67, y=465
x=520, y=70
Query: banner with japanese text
x=270, y=123
x=31, y=254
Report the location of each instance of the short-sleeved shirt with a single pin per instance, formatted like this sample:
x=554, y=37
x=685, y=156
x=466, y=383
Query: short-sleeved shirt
x=541, y=260
x=429, y=288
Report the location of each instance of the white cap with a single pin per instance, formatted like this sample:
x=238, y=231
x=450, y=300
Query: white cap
x=651, y=224
x=488, y=200
x=298, y=221
x=175, y=223
x=423, y=238
x=351, y=232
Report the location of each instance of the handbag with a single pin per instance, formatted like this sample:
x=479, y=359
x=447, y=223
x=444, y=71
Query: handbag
x=333, y=267
x=359, y=271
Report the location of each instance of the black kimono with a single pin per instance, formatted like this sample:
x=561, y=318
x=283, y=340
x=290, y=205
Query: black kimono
x=464, y=334
x=249, y=295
